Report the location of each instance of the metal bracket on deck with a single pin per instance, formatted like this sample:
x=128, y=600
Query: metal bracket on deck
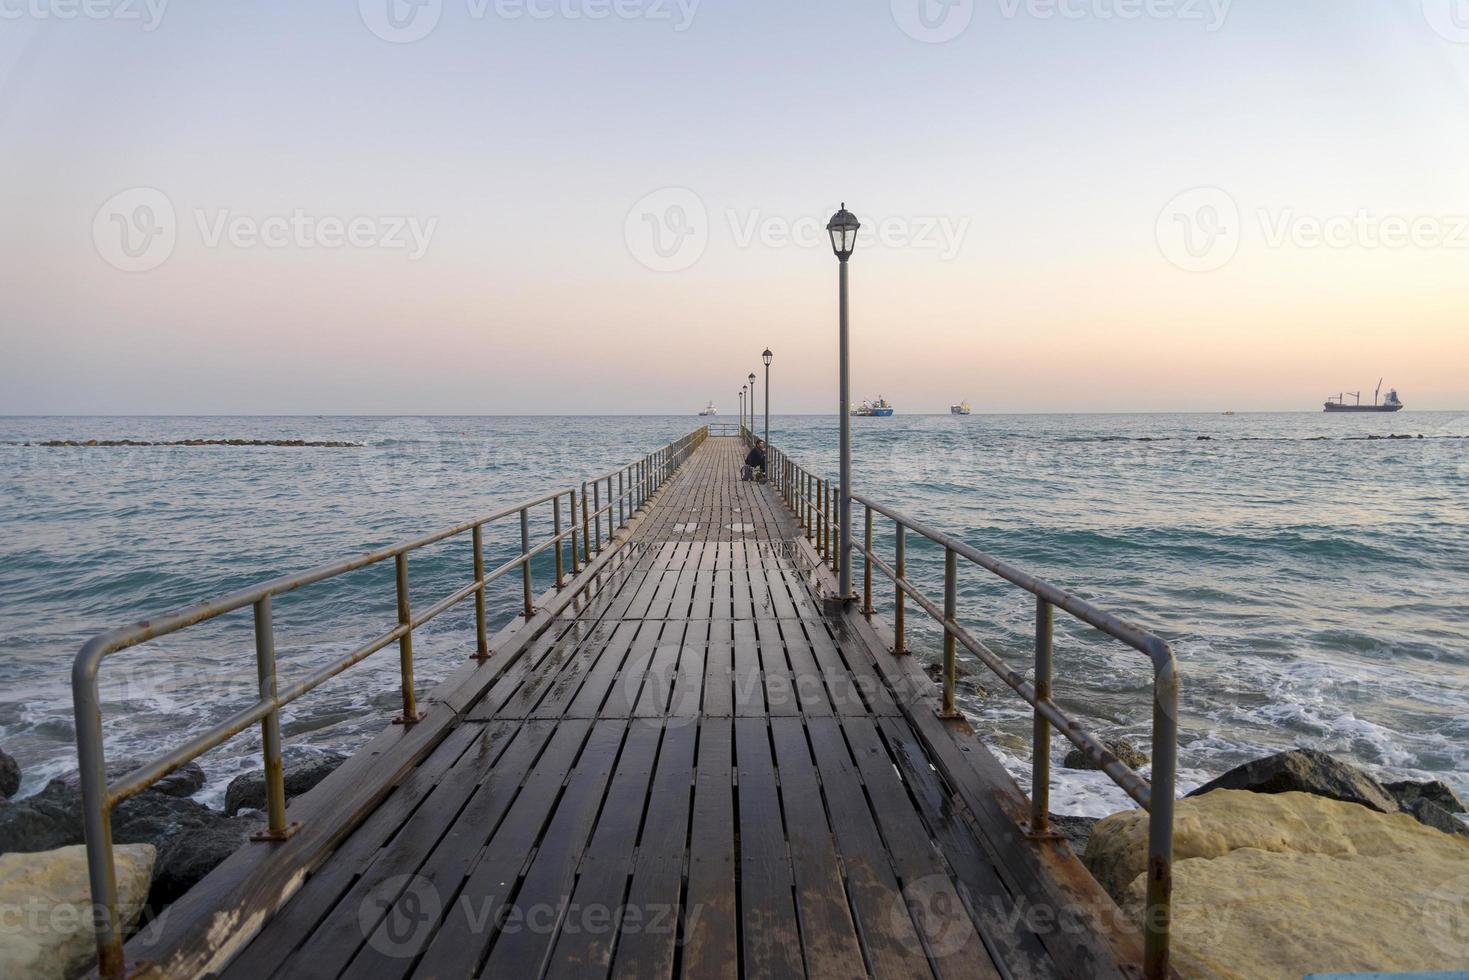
x=405, y=720
x=272, y=836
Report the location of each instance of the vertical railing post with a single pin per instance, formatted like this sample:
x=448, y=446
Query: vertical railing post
x=900, y=575
x=1159, y=915
x=530, y=608
x=411, y=715
x=575, y=557
x=270, y=726
x=586, y=527
x=482, y=642
x=867, y=564
x=621, y=497
x=597, y=512
x=951, y=605
x=556, y=530
x=1040, y=762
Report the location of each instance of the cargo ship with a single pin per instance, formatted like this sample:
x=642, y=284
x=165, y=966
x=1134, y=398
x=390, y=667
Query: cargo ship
x=960, y=409
x=1388, y=404
x=880, y=408
x=708, y=410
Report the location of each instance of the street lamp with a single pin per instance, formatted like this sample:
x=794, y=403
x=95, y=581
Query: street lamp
x=843, y=231
x=742, y=412
x=767, y=357
x=752, y=404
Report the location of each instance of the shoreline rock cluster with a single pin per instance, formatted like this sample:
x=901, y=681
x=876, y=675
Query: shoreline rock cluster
x=294, y=443
x=190, y=839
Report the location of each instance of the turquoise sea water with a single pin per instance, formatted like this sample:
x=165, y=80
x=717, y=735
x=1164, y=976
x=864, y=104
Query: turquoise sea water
x=1314, y=582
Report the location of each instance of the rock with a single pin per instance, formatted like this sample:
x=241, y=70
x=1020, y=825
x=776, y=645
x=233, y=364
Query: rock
x=53, y=818
x=187, y=780
x=1075, y=829
x=1288, y=884
x=49, y=932
x=1430, y=814
x=247, y=792
x=9, y=776
x=1407, y=791
x=1120, y=747
x=1306, y=771
x=185, y=858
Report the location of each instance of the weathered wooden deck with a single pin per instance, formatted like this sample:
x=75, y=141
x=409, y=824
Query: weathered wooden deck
x=688, y=771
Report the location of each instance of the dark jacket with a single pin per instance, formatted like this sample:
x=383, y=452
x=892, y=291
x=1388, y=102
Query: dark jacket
x=756, y=458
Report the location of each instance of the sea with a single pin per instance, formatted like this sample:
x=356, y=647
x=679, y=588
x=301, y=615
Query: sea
x=1310, y=570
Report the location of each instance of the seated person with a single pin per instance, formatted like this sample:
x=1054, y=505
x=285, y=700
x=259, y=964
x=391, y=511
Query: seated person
x=754, y=461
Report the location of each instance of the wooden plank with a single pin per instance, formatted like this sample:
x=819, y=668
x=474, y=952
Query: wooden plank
x=471, y=921
x=591, y=920
x=710, y=919
x=648, y=942
x=598, y=681
x=829, y=940
x=950, y=938
x=770, y=937
x=287, y=930
x=406, y=928
x=888, y=936
x=718, y=680
x=658, y=684
x=526, y=940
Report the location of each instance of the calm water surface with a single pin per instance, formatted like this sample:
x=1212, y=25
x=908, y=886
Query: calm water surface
x=1314, y=583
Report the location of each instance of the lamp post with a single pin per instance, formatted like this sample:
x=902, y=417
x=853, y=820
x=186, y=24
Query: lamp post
x=843, y=231
x=742, y=412
x=767, y=357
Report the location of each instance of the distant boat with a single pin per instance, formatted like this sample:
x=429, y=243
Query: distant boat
x=1388, y=404
x=880, y=408
x=1228, y=413
x=709, y=409
x=960, y=409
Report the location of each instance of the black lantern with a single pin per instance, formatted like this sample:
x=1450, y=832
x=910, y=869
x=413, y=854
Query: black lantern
x=767, y=357
x=843, y=231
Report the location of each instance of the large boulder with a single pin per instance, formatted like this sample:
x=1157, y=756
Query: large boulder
x=1124, y=750
x=247, y=792
x=1406, y=791
x=186, y=780
x=53, y=818
x=1306, y=771
x=185, y=858
x=1430, y=814
x=1287, y=884
x=49, y=932
x=9, y=776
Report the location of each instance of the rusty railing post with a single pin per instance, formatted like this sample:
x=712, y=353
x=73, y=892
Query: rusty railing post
x=1040, y=763
x=900, y=575
x=411, y=715
x=556, y=530
x=597, y=512
x=276, y=827
x=867, y=566
x=575, y=557
x=530, y=609
x=951, y=605
x=621, y=497
x=482, y=642
x=586, y=528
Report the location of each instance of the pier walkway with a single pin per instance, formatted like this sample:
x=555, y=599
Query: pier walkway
x=678, y=767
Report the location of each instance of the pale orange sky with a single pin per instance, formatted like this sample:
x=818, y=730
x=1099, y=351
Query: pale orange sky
x=1027, y=171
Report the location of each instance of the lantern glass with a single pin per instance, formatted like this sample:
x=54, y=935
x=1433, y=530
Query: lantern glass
x=767, y=357
x=843, y=231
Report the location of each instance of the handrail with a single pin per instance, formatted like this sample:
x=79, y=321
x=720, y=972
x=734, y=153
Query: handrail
x=636, y=482
x=814, y=503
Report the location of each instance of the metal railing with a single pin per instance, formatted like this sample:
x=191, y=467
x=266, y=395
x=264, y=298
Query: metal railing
x=814, y=502
x=626, y=489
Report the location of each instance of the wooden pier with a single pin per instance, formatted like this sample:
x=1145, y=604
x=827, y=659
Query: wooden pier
x=680, y=765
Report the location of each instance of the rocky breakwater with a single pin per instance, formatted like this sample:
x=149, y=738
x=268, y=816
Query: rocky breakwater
x=190, y=838
x=1300, y=864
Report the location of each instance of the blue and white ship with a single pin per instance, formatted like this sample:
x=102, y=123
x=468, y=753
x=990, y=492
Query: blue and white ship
x=880, y=408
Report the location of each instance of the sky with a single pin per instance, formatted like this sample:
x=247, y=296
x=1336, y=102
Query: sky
x=612, y=206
